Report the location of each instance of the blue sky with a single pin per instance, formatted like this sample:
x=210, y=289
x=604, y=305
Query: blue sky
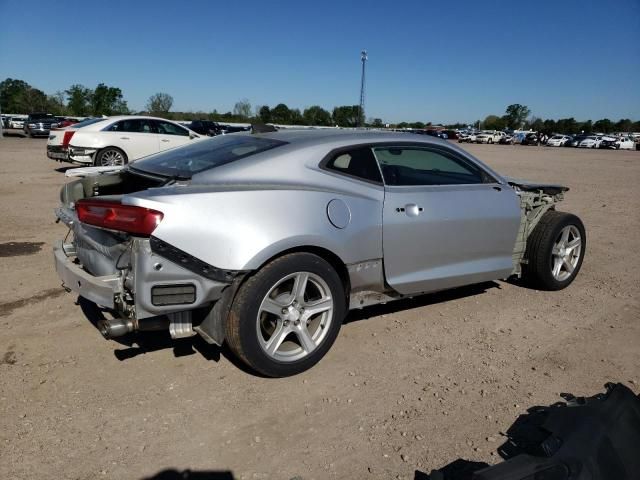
x=428, y=61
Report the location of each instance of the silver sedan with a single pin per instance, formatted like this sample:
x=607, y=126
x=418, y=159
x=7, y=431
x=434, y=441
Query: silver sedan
x=266, y=240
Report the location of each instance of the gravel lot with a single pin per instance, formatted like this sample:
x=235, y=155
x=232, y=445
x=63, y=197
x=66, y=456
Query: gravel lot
x=409, y=386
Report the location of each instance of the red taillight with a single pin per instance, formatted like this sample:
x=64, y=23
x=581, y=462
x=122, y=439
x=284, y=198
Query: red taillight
x=115, y=216
x=67, y=138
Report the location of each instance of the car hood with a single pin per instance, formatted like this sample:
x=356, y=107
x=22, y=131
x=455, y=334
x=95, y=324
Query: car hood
x=530, y=186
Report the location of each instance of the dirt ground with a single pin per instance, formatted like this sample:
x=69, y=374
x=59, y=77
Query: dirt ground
x=407, y=387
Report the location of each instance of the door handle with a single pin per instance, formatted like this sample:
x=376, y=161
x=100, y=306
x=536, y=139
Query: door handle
x=124, y=138
x=165, y=140
x=411, y=209
x=498, y=189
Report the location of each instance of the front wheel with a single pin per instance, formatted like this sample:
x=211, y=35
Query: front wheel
x=110, y=157
x=285, y=318
x=555, y=251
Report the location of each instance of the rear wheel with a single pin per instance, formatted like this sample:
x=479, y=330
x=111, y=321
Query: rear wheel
x=110, y=157
x=285, y=318
x=555, y=250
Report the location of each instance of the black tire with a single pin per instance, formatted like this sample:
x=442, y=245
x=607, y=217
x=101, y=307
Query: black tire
x=538, y=272
x=100, y=158
x=241, y=325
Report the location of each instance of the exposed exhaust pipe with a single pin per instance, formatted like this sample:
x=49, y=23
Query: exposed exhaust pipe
x=116, y=327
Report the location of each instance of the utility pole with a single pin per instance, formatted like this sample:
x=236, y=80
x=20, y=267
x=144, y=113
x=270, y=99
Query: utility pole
x=363, y=58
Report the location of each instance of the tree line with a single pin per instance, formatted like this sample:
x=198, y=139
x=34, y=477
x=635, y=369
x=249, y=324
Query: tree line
x=519, y=117
x=17, y=96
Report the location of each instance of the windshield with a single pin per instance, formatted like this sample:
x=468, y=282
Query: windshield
x=88, y=121
x=186, y=161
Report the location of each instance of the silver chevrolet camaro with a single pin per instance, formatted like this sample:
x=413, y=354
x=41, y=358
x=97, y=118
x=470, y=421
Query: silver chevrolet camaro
x=265, y=240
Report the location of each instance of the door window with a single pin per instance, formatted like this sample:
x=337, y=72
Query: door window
x=168, y=128
x=134, y=125
x=404, y=166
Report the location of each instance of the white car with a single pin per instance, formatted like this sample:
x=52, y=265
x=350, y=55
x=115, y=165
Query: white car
x=489, y=136
x=592, y=141
x=16, y=122
x=558, y=140
x=59, y=138
x=625, y=143
x=123, y=139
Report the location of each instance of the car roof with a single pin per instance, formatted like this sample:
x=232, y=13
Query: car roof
x=135, y=117
x=310, y=137
x=297, y=161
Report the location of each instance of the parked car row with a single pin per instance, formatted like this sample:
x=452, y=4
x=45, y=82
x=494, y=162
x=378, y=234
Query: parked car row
x=617, y=142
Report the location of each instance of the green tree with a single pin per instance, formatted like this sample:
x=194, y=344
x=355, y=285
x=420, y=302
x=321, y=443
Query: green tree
x=516, y=115
x=242, y=109
x=32, y=100
x=78, y=100
x=281, y=114
x=316, y=115
x=567, y=125
x=624, y=125
x=17, y=96
x=347, y=116
x=11, y=93
x=536, y=124
x=605, y=125
x=264, y=114
x=107, y=101
x=295, y=117
x=377, y=123
x=494, y=122
x=159, y=104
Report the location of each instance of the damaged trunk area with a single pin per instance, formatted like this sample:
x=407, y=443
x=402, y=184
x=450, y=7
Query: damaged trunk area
x=112, y=262
x=98, y=250
x=116, y=183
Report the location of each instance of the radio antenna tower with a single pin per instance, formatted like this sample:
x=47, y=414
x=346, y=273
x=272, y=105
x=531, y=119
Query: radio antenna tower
x=363, y=57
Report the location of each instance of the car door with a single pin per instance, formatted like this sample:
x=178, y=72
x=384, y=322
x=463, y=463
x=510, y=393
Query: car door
x=171, y=135
x=446, y=220
x=137, y=137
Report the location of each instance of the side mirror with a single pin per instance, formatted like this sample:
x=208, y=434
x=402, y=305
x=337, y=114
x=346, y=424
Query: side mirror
x=193, y=135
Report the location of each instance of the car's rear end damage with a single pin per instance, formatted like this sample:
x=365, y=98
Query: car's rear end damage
x=110, y=258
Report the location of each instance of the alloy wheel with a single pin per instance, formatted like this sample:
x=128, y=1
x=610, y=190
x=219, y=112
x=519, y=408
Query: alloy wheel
x=294, y=316
x=565, y=253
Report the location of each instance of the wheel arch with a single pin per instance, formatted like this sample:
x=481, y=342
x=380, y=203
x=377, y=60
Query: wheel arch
x=99, y=150
x=330, y=257
x=213, y=327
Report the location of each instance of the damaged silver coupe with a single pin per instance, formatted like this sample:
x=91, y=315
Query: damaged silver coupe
x=265, y=241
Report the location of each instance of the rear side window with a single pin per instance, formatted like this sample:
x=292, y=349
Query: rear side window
x=404, y=166
x=203, y=155
x=359, y=163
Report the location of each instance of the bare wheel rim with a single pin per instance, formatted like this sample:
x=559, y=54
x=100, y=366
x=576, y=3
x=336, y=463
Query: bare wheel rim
x=110, y=158
x=294, y=316
x=565, y=253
